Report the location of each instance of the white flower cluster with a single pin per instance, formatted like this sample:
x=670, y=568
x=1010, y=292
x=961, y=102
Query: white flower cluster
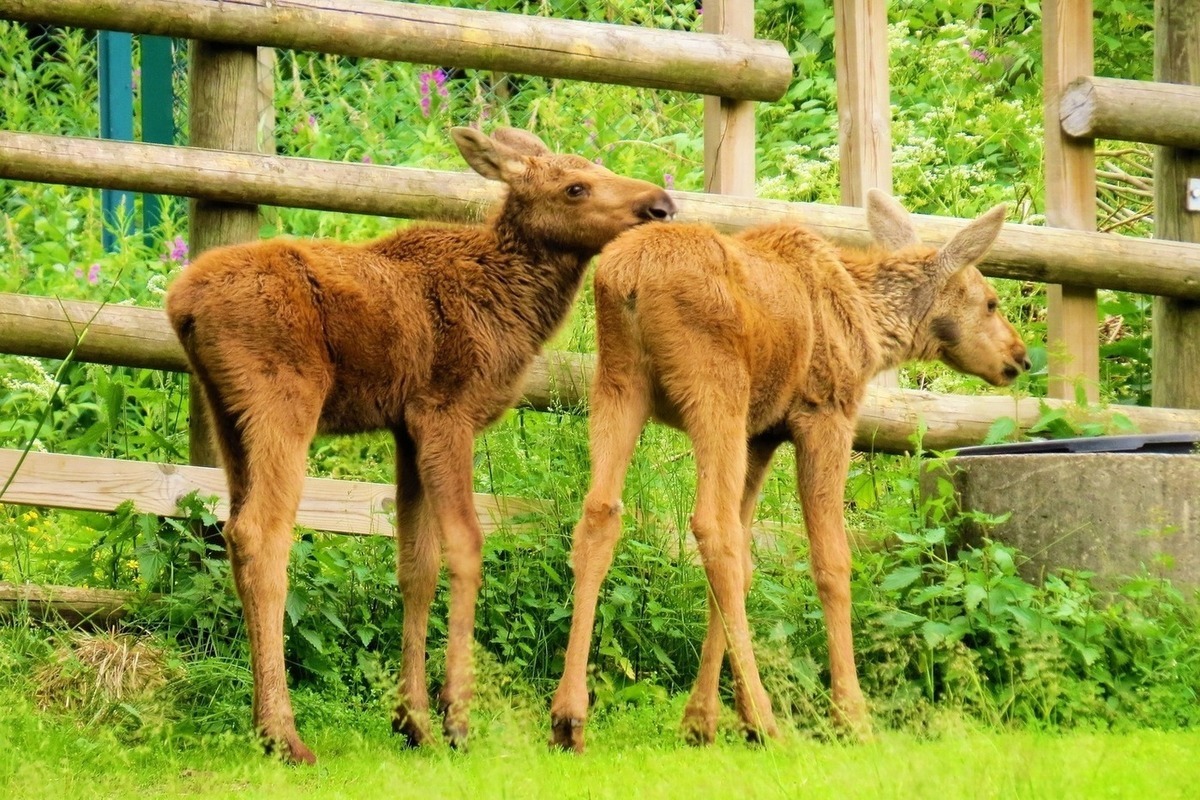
x=27, y=376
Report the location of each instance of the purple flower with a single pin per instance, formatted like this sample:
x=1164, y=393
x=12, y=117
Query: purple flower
x=178, y=251
x=668, y=180
x=367, y=160
x=93, y=275
x=312, y=121
x=79, y=273
x=979, y=55
x=430, y=82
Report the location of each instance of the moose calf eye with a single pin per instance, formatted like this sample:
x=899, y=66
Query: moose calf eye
x=992, y=306
x=576, y=191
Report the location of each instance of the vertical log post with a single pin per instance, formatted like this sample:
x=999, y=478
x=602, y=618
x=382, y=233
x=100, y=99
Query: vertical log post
x=1176, y=323
x=729, y=124
x=864, y=106
x=1072, y=335
x=223, y=113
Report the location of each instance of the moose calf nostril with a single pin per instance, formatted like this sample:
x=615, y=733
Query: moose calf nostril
x=661, y=209
x=1027, y=364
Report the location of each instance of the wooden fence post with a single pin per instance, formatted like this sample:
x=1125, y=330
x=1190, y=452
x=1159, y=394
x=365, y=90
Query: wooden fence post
x=1176, y=323
x=1072, y=336
x=223, y=113
x=864, y=107
x=729, y=124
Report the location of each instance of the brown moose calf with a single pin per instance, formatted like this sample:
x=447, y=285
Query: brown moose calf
x=745, y=342
x=427, y=333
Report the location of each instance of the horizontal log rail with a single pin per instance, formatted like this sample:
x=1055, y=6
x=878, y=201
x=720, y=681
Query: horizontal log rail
x=96, y=607
x=1132, y=111
x=1023, y=252
x=87, y=483
x=703, y=63
x=141, y=337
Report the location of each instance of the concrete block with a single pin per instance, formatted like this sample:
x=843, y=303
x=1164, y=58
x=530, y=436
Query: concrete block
x=1110, y=513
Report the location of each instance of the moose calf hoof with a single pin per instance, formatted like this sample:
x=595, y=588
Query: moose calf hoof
x=456, y=735
x=415, y=734
x=759, y=734
x=852, y=721
x=860, y=730
x=566, y=733
x=290, y=749
x=699, y=729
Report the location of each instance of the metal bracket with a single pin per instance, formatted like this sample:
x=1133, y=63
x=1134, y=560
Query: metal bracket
x=1193, y=194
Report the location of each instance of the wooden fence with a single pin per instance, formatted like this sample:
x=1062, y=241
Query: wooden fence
x=227, y=177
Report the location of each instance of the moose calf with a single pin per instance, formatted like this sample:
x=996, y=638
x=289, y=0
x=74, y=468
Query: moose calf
x=745, y=342
x=427, y=333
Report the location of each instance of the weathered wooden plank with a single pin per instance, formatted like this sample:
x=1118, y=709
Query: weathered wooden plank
x=1023, y=252
x=724, y=66
x=1176, y=322
x=102, y=484
x=1071, y=314
x=1132, y=111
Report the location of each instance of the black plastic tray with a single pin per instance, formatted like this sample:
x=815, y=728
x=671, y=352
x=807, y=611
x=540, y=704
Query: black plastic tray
x=1169, y=443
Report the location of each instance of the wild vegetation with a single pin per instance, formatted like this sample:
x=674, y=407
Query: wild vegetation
x=954, y=646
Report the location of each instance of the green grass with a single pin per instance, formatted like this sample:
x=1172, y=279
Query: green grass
x=632, y=753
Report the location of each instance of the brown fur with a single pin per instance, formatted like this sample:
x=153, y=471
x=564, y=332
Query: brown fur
x=745, y=342
x=426, y=332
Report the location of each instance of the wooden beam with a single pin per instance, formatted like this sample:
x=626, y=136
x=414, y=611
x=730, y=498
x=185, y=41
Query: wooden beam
x=729, y=140
x=1176, y=323
x=890, y=417
x=74, y=605
x=224, y=105
x=864, y=105
x=1023, y=252
x=864, y=108
x=1071, y=314
x=725, y=66
x=131, y=336
x=1132, y=111
x=51, y=480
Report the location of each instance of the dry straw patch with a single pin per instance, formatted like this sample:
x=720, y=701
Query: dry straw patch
x=98, y=673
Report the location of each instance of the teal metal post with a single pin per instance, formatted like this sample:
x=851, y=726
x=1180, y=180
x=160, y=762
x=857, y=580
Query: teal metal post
x=116, y=122
x=158, y=114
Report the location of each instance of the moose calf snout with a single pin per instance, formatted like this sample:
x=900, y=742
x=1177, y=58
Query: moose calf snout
x=660, y=209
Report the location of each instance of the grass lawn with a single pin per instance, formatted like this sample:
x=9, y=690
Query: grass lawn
x=632, y=754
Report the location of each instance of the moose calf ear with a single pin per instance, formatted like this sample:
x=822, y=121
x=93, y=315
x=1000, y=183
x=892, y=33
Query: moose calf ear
x=492, y=159
x=971, y=243
x=524, y=142
x=889, y=223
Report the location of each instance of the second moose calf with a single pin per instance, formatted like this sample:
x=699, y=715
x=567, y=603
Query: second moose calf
x=746, y=342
